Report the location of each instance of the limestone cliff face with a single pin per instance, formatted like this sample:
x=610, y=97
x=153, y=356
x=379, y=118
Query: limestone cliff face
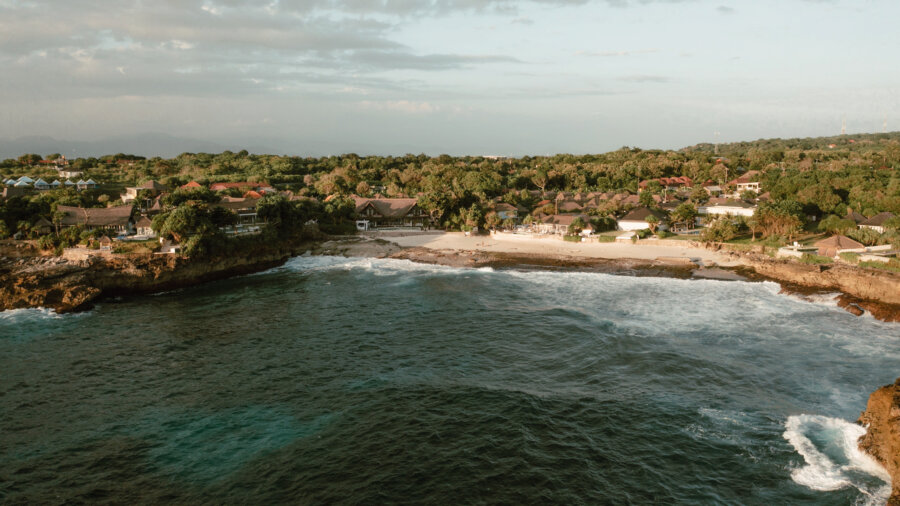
x=882, y=438
x=70, y=286
x=883, y=286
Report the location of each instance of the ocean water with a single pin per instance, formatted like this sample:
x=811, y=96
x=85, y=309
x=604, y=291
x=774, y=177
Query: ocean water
x=332, y=380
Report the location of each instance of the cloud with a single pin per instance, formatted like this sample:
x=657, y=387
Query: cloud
x=644, y=79
x=724, y=9
x=404, y=106
x=605, y=54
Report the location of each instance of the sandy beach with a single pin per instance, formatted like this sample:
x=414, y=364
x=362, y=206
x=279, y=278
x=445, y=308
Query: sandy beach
x=457, y=241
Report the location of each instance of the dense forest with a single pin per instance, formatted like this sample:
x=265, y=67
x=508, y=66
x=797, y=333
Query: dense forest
x=810, y=179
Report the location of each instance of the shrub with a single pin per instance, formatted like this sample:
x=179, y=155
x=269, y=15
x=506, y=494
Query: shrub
x=849, y=257
x=662, y=234
x=572, y=238
x=809, y=258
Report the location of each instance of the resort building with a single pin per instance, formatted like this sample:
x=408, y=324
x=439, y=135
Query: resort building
x=245, y=208
x=876, y=222
x=116, y=220
x=557, y=224
x=386, y=213
x=727, y=207
x=637, y=219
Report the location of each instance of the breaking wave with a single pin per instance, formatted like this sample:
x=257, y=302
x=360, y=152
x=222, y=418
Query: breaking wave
x=832, y=458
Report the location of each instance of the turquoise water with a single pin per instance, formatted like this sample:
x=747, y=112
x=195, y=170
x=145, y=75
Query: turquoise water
x=333, y=380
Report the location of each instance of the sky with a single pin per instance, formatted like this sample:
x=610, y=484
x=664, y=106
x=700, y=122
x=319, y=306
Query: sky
x=463, y=77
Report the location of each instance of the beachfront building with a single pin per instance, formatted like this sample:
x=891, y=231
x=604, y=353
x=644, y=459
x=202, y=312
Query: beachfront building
x=506, y=211
x=143, y=227
x=835, y=244
x=876, y=222
x=637, y=219
x=245, y=209
x=557, y=224
x=114, y=220
x=726, y=207
x=389, y=213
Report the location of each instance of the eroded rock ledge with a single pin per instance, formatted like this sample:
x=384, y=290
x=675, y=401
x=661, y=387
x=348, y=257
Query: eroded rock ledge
x=882, y=437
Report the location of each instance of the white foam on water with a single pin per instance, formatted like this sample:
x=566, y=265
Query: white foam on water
x=833, y=460
x=26, y=314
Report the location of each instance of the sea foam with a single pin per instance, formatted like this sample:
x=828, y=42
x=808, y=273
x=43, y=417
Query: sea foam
x=833, y=460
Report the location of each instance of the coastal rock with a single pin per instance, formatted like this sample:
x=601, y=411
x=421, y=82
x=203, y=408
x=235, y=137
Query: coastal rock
x=882, y=438
x=73, y=286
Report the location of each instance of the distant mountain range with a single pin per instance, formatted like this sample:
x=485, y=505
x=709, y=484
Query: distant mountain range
x=149, y=145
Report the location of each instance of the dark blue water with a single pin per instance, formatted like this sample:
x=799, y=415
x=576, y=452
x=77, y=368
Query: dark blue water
x=379, y=381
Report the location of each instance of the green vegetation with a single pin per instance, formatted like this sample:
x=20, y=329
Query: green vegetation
x=811, y=185
x=810, y=258
x=893, y=265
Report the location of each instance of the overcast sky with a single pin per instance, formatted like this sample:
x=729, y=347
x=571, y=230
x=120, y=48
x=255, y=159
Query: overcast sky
x=458, y=76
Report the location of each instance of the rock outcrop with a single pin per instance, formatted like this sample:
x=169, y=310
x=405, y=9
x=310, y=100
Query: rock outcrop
x=882, y=438
x=873, y=290
x=66, y=285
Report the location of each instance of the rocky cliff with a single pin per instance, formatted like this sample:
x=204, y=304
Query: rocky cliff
x=874, y=290
x=882, y=438
x=66, y=285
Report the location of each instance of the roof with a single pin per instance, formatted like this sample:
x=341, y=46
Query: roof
x=855, y=216
x=563, y=219
x=192, y=184
x=144, y=222
x=236, y=204
x=641, y=214
x=389, y=208
x=830, y=246
x=569, y=206
x=239, y=185
x=878, y=219
x=719, y=202
x=504, y=207
x=96, y=217
x=839, y=241
x=745, y=178
x=152, y=185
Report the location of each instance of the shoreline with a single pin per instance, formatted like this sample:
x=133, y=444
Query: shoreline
x=855, y=288
x=67, y=286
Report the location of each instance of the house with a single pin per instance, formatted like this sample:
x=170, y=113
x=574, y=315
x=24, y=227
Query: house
x=637, y=219
x=105, y=243
x=723, y=207
x=144, y=227
x=245, y=209
x=13, y=191
x=42, y=185
x=506, y=211
x=191, y=186
x=385, y=212
x=746, y=182
x=70, y=173
x=86, y=185
x=856, y=217
x=113, y=219
x=154, y=188
x=42, y=226
x=557, y=224
x=833, y=245
x=876, y=222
